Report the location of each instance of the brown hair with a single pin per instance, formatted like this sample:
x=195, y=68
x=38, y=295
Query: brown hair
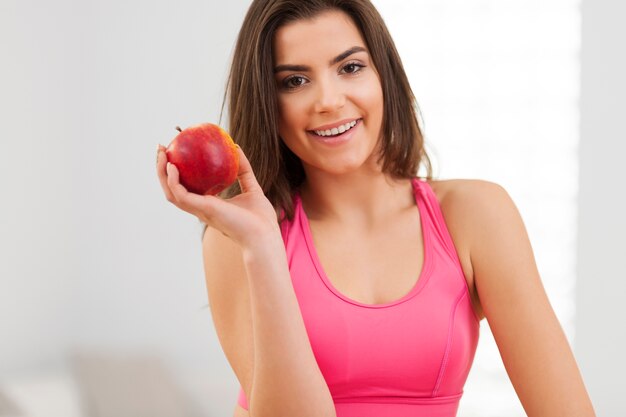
x=253, y=106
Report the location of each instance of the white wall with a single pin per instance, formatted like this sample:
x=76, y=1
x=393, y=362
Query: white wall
x=92, y=256
x=601, y=295
x=41, y=74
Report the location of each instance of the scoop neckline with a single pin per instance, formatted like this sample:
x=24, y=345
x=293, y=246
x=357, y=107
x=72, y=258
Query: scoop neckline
x=423, y=275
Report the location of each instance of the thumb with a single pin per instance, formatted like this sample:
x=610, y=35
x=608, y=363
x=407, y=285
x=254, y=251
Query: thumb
x=245, y=175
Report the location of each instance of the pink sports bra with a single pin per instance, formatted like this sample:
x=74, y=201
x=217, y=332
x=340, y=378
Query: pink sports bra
x=409, y=357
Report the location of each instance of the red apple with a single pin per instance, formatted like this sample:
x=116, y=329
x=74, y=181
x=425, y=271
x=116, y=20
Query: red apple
x=206, y=158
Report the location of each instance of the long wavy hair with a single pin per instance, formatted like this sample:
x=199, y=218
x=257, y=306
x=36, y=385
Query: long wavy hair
x=253, y=105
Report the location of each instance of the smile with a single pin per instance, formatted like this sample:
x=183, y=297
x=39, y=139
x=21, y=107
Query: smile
x=336, y=130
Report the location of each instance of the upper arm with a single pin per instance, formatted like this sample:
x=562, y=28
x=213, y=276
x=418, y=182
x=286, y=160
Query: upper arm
x=229, y=301
x=533, y=347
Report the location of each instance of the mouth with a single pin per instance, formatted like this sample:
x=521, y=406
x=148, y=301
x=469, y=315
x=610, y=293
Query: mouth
x=335, y=131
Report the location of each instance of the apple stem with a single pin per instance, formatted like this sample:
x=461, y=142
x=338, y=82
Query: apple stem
x=178, y=128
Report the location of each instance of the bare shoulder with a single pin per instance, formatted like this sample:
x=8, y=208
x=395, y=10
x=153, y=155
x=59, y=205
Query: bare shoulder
x=471, y=201
x=465, y=190
x=466, y=204
x=225, y=274
x=473, y=208
x=214, y=239
x=229, y=302
x=222, y=258
x=482, y=216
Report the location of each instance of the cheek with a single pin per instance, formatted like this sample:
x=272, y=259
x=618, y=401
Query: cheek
x=288, y=114
x=371, y=97
x=288, y=124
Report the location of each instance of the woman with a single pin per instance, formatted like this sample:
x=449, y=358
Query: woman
x=340, y=284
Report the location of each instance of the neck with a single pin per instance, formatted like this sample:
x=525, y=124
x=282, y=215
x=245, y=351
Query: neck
x=365, y=198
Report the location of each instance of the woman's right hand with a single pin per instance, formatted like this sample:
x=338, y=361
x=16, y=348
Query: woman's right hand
x=246, y=218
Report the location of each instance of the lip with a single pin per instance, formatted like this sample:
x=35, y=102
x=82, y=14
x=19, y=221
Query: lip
x=333, y=125
x=339, y=139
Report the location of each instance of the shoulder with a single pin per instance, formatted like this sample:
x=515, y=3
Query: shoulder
x=486, y=220
x=223, y=266
x=229, y=303
x=473, y=203
x=218, y=247
x=481, y=218
x=459, y=191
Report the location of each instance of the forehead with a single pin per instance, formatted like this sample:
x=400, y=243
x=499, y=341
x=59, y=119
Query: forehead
x=326, y=34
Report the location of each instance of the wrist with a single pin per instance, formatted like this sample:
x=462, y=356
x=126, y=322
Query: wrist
x=265, y=245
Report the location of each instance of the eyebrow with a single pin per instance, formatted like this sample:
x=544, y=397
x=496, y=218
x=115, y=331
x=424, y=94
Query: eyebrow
x=333, y=61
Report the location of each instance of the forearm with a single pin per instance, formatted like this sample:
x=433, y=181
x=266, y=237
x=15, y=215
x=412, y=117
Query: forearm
x=287, y=380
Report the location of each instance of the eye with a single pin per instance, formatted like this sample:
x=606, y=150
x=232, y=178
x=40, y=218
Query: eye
x=352, y=67
x=294, y=81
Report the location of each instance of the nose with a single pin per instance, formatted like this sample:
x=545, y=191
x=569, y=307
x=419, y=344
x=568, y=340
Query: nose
x=329, y=96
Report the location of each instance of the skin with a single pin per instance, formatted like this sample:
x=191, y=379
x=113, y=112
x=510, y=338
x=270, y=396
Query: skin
x=347, y=197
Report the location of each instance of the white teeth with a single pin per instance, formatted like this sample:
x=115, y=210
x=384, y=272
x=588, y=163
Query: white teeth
x=336, y=130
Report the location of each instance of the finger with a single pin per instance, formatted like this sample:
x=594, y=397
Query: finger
x=183, y=198
x=245, y=175
x=161, y=172
x=173, y=181
x=204, y=207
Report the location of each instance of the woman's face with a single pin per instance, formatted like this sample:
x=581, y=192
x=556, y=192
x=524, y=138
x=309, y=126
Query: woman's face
x=329, y=94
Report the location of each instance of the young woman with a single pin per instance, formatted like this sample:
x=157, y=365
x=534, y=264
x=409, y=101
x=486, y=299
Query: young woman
x=340, y=283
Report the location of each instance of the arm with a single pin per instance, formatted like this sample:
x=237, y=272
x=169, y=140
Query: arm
x=534, y=349
x=260, y=327
x=253, y=304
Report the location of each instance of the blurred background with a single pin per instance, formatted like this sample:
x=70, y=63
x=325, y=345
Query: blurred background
x=103, y=306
